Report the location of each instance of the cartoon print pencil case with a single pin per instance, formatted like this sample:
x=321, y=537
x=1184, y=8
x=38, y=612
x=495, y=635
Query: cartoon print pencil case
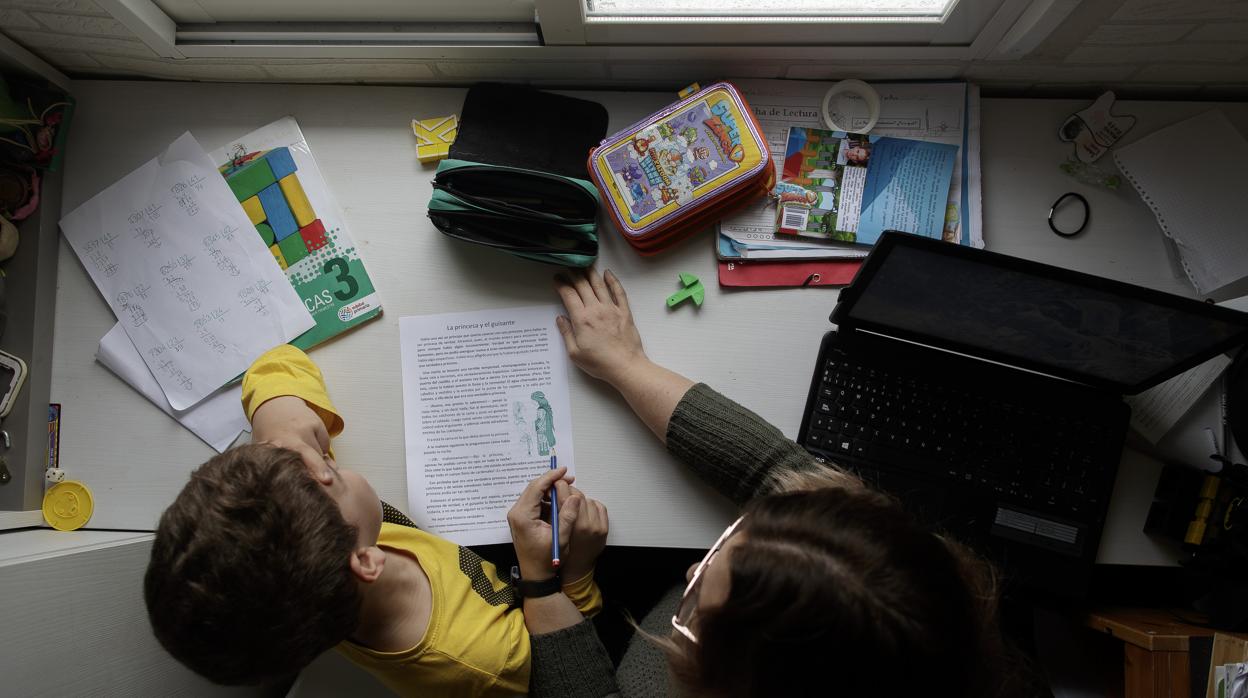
x=515, y=180
x=682, y=168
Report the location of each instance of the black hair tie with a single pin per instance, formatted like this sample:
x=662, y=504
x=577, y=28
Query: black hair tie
x=1087, y=213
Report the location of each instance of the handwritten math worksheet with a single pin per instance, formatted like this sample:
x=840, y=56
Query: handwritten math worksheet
x=177, y=260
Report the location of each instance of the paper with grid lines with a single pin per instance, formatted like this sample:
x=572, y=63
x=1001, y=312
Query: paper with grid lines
x=1193, y=176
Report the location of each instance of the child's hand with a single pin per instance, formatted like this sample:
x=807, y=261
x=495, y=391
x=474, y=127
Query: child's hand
x=530, y=529
x=288, y=422
x=598, y=331
x=588, y=539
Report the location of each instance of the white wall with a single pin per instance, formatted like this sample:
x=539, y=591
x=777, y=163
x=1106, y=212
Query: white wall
x=73, y=622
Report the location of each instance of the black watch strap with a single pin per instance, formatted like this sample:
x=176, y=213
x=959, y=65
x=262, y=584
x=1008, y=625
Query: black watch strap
x=528, y=589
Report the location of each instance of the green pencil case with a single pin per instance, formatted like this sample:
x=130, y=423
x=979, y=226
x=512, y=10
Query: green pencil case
x=536, y=215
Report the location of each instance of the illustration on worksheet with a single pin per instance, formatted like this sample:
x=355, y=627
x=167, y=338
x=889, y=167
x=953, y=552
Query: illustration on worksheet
x=521, y=423
x=532, y=422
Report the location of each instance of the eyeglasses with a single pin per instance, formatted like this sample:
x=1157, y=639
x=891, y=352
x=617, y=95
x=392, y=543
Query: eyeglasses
x=687, y=609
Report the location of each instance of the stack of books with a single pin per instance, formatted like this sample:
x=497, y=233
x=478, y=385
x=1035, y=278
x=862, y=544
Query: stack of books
x=917, y=170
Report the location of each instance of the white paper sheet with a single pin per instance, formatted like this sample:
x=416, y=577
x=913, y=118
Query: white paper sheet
x=1156, y=410
x=173, y=253
x=934, y=112
x=1202, y=208
x=217, y=419
x=484, y=395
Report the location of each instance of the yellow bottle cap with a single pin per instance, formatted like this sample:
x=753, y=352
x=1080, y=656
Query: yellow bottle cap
x=67, y=505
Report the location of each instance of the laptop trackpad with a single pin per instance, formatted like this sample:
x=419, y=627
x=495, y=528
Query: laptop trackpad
x=1037, y=529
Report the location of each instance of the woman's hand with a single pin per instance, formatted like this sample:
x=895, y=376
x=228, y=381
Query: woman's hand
x=598, y=331
x=530, y=531
x=288, y=422
x=588, y=537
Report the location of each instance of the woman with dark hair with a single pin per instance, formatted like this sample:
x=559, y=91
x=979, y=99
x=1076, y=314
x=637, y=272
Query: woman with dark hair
x=823, y=587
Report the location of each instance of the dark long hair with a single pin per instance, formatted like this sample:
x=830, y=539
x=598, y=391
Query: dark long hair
x=837, y=591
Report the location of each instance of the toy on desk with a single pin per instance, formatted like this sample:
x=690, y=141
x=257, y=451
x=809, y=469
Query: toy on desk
x=1090, y=174
x=692, y=289
x=434, y=137
x=1095, y=129
x=68, y=505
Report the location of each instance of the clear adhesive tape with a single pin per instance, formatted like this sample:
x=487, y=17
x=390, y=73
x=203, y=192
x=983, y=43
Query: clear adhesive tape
x=854, y=87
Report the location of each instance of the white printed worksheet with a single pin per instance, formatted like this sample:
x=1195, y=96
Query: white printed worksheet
x=173, y=253
x=485, y=405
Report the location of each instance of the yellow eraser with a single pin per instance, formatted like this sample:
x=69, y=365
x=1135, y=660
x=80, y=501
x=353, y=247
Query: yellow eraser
x=434, y=137
x=297, y=200
x=254, y=210
x=277, y=254
x=690, y=89
x=67, y=506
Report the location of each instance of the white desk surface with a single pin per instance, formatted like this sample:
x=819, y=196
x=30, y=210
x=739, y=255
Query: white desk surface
x=755, y=346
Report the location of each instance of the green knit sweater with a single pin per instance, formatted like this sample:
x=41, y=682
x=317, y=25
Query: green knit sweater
x=735, y=451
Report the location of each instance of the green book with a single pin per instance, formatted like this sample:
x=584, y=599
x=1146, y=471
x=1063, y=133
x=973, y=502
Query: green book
x=274, y=176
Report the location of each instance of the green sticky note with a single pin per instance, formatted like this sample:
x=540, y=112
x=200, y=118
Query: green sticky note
x=266, y=233
x=293, y=248
x=253, y=177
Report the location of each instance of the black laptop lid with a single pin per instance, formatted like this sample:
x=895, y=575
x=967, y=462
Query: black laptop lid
x=1036, y=316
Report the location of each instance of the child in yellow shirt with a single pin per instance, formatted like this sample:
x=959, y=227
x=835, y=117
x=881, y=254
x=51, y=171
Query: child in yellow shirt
x=272, y=554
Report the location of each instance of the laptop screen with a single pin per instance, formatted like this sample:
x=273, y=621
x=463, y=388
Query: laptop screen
x=1035, y=316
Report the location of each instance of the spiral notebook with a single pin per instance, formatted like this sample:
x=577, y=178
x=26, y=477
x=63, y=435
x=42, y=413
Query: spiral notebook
x=1193, y=177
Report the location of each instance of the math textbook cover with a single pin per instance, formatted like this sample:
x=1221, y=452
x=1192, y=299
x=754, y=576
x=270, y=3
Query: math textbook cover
x=272, y=173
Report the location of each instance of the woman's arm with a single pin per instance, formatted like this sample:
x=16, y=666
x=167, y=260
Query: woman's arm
x=603, y=341
x=733, y=449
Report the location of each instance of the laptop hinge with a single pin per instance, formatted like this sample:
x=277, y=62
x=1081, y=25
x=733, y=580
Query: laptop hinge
x=981, y=359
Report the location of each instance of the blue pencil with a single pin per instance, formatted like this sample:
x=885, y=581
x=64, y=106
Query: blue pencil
x=554, y=517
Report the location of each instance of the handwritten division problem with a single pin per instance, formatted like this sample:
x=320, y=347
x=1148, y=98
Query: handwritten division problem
x=199, y=300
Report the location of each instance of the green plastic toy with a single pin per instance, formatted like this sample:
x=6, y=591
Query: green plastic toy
x=692, y=289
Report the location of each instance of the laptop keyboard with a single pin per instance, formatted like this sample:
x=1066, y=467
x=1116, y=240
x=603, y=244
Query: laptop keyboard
x=938, y=430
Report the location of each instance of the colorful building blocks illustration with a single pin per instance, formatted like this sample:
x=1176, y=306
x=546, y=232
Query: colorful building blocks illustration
x=313, y=235
x=267, y=185
x=277, y=255
x=254, y=210
x=266, y=234
x=277, y=212
x=293, y=249
x=297, y=200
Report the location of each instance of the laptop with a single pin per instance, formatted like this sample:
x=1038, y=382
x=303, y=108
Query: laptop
x=986, y=392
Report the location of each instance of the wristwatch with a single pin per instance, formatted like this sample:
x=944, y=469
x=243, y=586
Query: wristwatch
x=527, y=589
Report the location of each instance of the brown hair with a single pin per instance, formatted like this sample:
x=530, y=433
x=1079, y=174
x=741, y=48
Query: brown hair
x=837, y=591
x=249, y=578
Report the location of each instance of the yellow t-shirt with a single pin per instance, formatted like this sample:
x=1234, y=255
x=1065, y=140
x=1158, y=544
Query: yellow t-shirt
x=476, y=643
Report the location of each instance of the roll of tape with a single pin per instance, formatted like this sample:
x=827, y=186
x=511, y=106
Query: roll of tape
x=853, y=87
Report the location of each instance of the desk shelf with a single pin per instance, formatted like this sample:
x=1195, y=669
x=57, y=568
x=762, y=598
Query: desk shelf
x=30, y=291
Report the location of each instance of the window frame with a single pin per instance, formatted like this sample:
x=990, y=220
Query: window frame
x=564, y=22
x=560, y=32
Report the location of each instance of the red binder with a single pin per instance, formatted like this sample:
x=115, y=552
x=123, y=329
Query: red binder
x=823, y=272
